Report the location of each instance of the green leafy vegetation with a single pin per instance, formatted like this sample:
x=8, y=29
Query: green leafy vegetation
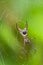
x=12, y=51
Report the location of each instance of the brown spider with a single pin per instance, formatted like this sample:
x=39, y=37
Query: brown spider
x=23, y=32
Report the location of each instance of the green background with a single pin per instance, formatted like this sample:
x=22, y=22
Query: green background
x=11, y=42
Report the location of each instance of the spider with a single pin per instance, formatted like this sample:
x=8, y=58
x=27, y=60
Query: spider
x=23, y=32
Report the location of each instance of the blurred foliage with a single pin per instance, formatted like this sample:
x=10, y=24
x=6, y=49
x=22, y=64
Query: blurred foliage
x=12, y=51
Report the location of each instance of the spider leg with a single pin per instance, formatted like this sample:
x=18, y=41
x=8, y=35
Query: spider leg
x=18, y=27
x=26, y=25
